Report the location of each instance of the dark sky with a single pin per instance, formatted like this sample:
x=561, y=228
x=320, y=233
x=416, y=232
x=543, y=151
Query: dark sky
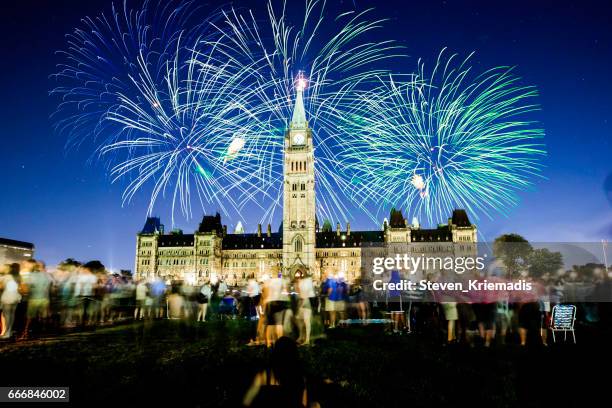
x=67, y=206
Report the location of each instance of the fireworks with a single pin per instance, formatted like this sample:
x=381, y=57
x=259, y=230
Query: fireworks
x=114, y=55
x=196, y=109
x=329, y=58
x=449, y=139
x=142, y=86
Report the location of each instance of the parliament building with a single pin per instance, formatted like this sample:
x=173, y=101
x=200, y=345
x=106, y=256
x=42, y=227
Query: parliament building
x=299, y=246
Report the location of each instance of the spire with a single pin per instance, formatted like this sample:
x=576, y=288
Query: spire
x=298, y=120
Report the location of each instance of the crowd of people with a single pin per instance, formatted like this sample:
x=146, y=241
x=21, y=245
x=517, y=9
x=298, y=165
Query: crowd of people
x=34, y=300
x=75, y=295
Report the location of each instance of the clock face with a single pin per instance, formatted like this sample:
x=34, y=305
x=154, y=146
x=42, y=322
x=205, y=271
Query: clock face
x=299, y=139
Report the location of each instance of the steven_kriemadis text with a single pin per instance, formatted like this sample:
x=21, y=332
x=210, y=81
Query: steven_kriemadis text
x=470, y=285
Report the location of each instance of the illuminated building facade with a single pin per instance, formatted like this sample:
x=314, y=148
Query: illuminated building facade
x=15, y=251
x=299, y=246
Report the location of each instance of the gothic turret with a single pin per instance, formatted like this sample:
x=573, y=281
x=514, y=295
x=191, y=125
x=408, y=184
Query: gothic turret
x=299, y=220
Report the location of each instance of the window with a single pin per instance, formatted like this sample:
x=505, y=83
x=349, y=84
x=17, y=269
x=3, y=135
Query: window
x=298, y=244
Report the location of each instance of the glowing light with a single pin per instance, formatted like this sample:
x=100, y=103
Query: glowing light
x=418, y=182
x=190, y=278
x=234, y=147
x=301, y=83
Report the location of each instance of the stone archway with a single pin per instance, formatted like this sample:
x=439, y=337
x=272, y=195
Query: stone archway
x=297, y=270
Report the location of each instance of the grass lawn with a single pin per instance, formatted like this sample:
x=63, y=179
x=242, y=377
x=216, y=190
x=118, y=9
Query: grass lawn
x=210, y=365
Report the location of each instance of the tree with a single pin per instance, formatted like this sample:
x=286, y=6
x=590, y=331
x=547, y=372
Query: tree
x=70, y=262
x=543, y=261
x=95, y=266
x=587, y=272
x=514, y=251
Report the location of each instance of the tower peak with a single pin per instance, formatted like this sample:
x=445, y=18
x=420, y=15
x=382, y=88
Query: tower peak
x=298, y=120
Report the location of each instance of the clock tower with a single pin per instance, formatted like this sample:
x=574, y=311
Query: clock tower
x=298, y=192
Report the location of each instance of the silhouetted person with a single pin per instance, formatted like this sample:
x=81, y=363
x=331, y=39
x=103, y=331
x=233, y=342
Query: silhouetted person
x=282, y=383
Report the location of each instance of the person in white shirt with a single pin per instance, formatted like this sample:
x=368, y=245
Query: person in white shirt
x=274, y=305
x=253, y=293
x=10, y=297
x=141, y=299
x=203, y=298
x=306, y=293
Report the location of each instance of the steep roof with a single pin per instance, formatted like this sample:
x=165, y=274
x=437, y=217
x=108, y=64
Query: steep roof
x=460, y=218
x=211, y=223
x=354, y=239
x=431, y=235
x=396, y=219
x=152, y=225
x=176, y=240
x=298, y=119
x=324, y=239
x=252, y=241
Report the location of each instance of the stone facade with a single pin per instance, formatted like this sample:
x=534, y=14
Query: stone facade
x=299, y=219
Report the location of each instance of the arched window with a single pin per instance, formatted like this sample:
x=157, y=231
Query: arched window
x=298, y=244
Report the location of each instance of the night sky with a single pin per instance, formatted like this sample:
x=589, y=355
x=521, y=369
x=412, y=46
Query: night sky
x=64, y=202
